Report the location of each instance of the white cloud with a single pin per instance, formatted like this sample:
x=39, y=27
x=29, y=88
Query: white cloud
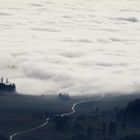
x=82, y=47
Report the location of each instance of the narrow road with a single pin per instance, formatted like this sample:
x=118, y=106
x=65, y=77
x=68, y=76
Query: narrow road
x=13, y=136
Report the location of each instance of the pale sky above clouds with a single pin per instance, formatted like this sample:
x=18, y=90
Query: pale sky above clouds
x=76, y=46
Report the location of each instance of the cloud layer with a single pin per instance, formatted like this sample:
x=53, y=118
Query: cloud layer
x=80, y=47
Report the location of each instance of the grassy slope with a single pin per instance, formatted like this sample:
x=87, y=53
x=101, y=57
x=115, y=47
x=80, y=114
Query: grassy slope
x=16, y=111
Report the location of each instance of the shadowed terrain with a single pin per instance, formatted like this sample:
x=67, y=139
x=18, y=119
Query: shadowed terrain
x=108, y=118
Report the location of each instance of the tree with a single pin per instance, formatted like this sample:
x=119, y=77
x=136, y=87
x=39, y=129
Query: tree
x=112, y=128
x=64, y=96
x=3, y=137
x=133, y=113
x=103, y=131
x=89, y=132
x=124, y=121
x=77, y=127
x=60, y=123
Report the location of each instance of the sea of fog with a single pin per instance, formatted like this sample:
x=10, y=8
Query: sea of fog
x=75, y=46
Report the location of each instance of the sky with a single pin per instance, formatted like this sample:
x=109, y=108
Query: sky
x=75, y=46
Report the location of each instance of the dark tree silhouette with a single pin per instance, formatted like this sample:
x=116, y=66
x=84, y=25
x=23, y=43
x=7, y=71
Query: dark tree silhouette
x=60, y=123
x=64, y=96
x=3, y=137
x=112, y=128
x=77, y=127
x=132, y=137
x=89, y=132
x=133, y=113
x=124, y=121
x=7, y=87
x=103, y=131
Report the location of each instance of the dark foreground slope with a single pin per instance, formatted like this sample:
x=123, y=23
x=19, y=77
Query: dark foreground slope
x=21, y=112
x=102, y=119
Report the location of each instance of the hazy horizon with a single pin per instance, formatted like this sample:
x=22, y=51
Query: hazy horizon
x=75, y=46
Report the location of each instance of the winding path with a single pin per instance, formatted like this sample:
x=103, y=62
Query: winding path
x=47, y=119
